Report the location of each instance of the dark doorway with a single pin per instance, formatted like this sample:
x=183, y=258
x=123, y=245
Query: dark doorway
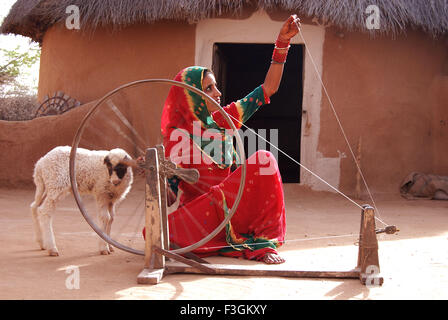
x=239, y=69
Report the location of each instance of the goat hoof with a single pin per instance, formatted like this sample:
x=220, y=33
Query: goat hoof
x=104, y=252
x=53, y=253
x=111, y=249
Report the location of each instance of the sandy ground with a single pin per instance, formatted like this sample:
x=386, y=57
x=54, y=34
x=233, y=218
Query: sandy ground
x=322, y=230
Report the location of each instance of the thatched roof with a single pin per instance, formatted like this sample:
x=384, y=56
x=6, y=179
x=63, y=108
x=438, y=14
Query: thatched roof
x=32, y=18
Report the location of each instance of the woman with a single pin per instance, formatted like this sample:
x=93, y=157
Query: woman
x=192, y=128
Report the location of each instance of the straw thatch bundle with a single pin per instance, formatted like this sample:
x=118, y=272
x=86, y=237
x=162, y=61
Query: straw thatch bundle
x=33, y=17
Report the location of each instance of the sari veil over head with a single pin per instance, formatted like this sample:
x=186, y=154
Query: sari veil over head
x=185, y=109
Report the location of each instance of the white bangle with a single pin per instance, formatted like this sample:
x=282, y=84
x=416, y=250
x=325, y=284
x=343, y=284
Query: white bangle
x=285, y=48
x=276, y=62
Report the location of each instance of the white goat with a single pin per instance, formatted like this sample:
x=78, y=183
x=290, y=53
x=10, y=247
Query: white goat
x=103, y=174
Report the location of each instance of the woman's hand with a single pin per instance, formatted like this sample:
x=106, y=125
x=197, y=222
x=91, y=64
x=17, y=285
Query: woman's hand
x=290, y=28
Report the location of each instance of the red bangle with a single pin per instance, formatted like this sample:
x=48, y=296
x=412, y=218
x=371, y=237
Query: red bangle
x=280, y=51
x=281, y=44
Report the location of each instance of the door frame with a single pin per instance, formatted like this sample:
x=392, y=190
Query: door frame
x=259, y=28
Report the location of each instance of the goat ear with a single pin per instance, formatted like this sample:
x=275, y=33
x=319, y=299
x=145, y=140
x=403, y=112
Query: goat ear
x=106, y=160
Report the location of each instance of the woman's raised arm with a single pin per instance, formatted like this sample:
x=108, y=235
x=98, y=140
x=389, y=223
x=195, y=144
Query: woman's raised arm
x=274, y=75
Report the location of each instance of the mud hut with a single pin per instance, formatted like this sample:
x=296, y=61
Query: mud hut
x=384, y=68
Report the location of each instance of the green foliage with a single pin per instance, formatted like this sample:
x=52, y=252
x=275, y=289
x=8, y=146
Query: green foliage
x=17, y=96
x=16, y=60
x=15, y=63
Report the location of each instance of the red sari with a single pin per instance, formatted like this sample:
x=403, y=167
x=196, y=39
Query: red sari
x=258, y=225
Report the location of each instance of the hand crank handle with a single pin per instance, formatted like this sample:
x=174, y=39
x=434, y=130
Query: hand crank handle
x=190, y=176
x=388, y=230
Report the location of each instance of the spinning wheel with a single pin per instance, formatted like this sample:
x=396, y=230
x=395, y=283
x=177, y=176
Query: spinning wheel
x=154, y=159
x=112, y=114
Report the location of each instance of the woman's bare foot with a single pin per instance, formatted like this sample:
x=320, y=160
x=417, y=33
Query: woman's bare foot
x=272, y=258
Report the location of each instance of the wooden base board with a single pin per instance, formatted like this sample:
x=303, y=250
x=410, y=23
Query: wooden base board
x=371, y=279
x=247, y=270
x=148, y=276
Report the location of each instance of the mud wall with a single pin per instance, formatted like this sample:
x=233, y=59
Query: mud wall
x=22, y=143
x=392, y=94
x=86, y=64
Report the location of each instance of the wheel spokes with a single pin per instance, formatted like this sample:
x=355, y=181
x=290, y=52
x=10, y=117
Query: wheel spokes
x=111, y=124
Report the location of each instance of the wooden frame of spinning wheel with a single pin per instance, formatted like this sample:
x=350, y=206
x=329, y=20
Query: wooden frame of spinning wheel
x=155, y=266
